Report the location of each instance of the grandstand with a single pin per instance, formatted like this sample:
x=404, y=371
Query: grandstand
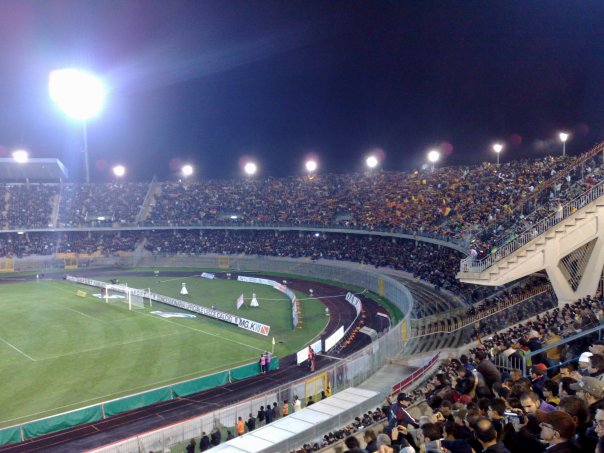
x=505, y=224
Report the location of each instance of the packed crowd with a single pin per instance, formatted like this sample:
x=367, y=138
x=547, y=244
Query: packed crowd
x=425, y=261
x=450, y=202
x=29, y=206
x=19, y=245
x=474, y=406
x=523, y=301
x=508, y=346
x=100, y=204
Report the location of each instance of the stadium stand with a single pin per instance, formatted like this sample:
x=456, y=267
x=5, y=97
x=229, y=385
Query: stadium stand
x=478, y=208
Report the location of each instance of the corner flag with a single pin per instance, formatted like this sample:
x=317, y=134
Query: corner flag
x=239, y=301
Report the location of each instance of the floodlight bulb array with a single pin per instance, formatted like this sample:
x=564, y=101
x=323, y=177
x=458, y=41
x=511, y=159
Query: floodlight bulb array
x=433, y=156
x=311, y=166
x=250, y=168
x=119, y=171
x=187, y=170
x=21, y=156
x=78, y=94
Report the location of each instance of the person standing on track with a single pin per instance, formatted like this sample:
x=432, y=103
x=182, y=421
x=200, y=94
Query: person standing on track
x=262, y=363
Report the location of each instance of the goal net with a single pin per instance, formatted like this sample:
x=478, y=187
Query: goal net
x=122, y=293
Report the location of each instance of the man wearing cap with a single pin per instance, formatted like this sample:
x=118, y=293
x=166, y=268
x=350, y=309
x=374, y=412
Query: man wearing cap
x=399, y=414
x=591, y=390
x=557, y=430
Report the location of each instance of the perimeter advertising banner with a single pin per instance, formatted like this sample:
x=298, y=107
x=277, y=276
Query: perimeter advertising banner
x=243, y=323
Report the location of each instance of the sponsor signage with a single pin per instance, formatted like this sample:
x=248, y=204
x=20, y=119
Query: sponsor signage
x=355, y=302
x=243, y=323
x=208, y=275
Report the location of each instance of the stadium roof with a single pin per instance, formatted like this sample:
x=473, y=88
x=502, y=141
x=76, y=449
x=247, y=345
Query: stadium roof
x=32, y=170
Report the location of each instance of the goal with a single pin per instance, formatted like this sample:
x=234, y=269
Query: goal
x=122, y=293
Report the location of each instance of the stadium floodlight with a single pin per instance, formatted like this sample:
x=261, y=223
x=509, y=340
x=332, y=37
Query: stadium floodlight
x=311, y=165
x=21, y=156
x=497, y=147
x=563, y=137
x=119, y=171
x=250, y=169
x=81, y=96
x=433, y=157
x=187, y=170
x=371, y=162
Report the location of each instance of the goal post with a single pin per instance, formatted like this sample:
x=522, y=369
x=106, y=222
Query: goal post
x=122, y=293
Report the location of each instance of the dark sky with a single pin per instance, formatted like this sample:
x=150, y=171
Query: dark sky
x=211, y=81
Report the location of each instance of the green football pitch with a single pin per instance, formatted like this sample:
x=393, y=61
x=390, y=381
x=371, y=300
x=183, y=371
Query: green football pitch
x=60, y=351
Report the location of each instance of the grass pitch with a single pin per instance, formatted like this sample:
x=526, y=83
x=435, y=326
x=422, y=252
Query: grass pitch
x=59, y=352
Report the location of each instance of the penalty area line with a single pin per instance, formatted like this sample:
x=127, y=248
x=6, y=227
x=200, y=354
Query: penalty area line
x=17, y=349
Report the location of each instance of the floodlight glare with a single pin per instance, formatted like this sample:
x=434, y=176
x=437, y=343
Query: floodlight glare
x=497, y=147
x=563, y=137
x=250, y=168
x=187, y=170
x=78, y=94
x=311, y=166
x=119, y=171
x=433, y=156
x=20, y=156
x=371, y=162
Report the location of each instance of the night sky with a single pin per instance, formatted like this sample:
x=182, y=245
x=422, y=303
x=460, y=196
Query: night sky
x=209, y=82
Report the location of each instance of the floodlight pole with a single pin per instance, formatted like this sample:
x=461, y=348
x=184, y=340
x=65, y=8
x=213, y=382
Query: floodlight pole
x=85, y=150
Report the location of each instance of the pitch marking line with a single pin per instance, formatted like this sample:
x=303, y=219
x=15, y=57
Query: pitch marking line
x=203, y=332
x=113, y=346
x=17, y=349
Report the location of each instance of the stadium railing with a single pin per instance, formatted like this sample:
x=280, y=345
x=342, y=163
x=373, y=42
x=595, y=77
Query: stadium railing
x=414, y=377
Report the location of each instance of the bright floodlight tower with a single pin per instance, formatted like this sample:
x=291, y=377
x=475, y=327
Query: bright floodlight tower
x=563, y=138
x=81, y=96
x=497, y=147
x=433, y=157
x=250, y=169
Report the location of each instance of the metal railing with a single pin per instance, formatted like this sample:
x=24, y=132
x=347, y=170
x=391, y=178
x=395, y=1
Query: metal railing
x=471, y=264
x=448, y=323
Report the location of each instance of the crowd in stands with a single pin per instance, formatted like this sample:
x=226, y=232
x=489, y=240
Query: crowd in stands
x=29, y=206
x=425, y=261
x=558, y=406
x=484, y=205
x=506, y=308
x=84, y=204
x=19, y=245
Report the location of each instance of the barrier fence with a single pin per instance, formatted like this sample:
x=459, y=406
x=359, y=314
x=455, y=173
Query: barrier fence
x=414, y=377
x=94, y=413
x=349, y=372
